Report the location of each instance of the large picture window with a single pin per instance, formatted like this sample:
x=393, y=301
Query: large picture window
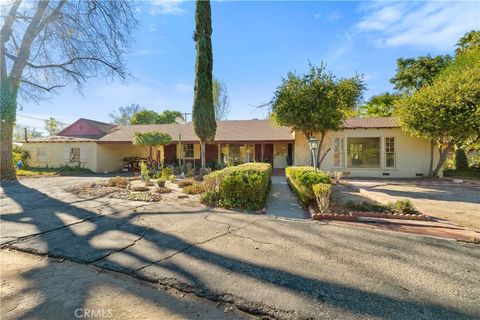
x=363, y=152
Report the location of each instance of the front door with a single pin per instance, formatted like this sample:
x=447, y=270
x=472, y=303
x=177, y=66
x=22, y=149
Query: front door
x=280, y=153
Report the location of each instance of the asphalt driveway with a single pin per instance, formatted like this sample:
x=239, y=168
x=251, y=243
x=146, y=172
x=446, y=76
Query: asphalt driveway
x=264, y=265
x=441, y=198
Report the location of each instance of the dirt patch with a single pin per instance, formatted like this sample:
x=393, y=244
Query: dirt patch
x=41, y=287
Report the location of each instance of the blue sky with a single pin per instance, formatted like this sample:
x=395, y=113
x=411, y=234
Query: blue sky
x=256, y=43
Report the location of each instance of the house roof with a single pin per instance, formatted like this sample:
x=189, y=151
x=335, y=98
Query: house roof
x=230, y=130
x=227, y=131
x=365, y=123
x=87, y=128
x=102, y=126
x=61, y=139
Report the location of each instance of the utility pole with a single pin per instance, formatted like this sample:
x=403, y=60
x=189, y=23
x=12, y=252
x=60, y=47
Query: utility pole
x=185, y=116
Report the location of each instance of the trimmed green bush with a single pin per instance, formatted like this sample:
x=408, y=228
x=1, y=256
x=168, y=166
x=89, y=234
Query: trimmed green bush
x=461, y=161
x=302, y=179
x=322, y=193
x=244, y=186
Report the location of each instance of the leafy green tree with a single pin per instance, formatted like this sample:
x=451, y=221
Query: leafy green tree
x=53, y=126
x=152, y=117
x=316, y=102
x=151, y=140
x=447, y=111
x=203, y=112
x=412, y=74
x=168, y=116
x=145, y=117
x=379, y=105
x=124, y=115
x=221, y=102
x=469, y=40
x=47, y=45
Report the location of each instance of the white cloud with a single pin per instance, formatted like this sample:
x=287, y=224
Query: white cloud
x=332, y=16
x=183, y=88
x=166, y=7
x=428, y=25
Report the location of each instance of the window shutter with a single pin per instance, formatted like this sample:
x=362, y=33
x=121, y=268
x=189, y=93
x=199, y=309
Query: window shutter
x=196, y=151
x=66, y=154
x=83, y=154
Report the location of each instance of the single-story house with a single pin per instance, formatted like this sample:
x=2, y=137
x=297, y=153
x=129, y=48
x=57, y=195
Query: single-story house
x=365, y=147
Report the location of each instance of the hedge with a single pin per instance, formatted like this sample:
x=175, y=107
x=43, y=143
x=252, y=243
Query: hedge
x=302, y=179
x=244, y=186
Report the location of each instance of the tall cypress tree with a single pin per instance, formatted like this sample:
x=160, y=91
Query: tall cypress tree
x=203, y=110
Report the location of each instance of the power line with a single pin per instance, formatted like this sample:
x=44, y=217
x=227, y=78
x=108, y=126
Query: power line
x=40, y=119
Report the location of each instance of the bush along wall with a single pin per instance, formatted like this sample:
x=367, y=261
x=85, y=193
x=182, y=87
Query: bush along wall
x=244, y=186
x=302, y=179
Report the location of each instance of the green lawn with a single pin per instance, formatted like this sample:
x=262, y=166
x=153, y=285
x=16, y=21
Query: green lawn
x=29, y=172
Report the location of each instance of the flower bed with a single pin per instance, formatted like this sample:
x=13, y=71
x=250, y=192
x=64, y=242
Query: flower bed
x=343, y=215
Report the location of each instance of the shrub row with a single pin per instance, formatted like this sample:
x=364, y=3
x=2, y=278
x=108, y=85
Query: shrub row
x=244, y=186
x=302, y=179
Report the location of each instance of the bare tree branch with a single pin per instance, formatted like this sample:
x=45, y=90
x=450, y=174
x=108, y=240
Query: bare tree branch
x=41, y=87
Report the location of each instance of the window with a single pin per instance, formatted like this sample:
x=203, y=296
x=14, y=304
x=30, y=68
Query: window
x=189, y=153
x=250, y=154
x=390, y=152
x=42, y=154
x=235, y=152
x=75, y=155
x=338, y=153
x=363, y=152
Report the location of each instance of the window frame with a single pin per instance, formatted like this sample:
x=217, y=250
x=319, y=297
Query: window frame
x=362, y=149
x=42, y=157
x=187, y=149
x=72, y=154
x=387, y=152
x=341, y=149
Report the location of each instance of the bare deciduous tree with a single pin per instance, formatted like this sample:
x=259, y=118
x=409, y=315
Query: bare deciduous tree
x=221, y=102
x=47, y=45
x=124, y=115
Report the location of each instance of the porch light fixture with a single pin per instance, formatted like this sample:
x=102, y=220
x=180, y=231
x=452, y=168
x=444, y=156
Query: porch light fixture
x=313, y=148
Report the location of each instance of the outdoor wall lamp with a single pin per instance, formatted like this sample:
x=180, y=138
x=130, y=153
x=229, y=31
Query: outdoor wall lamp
x=313, y=148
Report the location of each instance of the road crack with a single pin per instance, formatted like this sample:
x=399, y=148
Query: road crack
x=229, y=231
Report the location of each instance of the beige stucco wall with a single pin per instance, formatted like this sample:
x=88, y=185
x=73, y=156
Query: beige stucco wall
x=56, y=154
x=412, y=155
x=110, y=156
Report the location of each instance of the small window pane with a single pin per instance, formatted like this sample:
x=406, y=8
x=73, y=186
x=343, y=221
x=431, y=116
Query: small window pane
x=390, y=152
x=338, y=152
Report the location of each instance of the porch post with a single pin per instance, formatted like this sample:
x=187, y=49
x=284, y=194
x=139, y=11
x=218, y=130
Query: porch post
x=263, y=147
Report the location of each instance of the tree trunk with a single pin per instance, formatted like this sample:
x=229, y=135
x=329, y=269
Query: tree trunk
x=6, y=162
x=321, y=156
x=202, y=154
x=432, y=148
x=8, y=112
x=443, y=157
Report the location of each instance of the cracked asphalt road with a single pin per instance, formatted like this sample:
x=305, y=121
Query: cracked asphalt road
x=262, y=265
